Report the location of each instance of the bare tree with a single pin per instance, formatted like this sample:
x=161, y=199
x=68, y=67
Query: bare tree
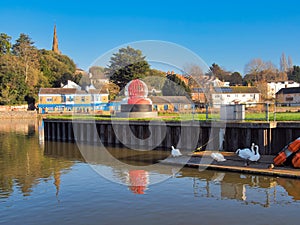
x=290, y=64
x=283, y=63
x=255, y=67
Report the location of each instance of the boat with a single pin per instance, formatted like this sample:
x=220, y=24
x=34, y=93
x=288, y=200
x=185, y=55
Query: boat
x=289, y=155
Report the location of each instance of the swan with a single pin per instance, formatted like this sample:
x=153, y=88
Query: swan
x=256, y=156
x=175, y=152
x=246, y=153
x=218, y=157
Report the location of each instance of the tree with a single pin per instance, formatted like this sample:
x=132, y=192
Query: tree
x=290, y=63
x=28, y=58
x=155, y=79
x=54, y=66
x=13, y=88
x=125, y=65
x=5, y=44
x=235, y=79
x=283, y=63
x=174, y=86
x=254, y=68
x=220, y=73
x=97, y=71
x=195, y=75
x=294, y=74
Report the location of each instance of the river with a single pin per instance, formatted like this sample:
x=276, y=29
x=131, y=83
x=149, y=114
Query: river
x=68, y=183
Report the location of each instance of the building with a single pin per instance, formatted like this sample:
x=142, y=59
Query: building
x=69, y=100
x=171, y=103
x=234, y=95
x=288, y=96
x=274, y=87
x=198, y=96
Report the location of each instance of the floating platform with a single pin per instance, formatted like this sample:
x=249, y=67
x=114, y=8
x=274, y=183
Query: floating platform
x=233, y=163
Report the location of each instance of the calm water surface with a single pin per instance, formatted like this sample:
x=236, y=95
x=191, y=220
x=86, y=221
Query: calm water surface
x=51, y=183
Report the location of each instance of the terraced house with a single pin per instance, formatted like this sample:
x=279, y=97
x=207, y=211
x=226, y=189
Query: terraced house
x=235, y=95
x=68, y=100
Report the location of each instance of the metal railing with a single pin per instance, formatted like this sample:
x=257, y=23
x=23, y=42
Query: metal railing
x=254, y=112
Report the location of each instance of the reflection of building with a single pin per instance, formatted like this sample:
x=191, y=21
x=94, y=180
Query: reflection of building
x=289, y=96
x=233, y=191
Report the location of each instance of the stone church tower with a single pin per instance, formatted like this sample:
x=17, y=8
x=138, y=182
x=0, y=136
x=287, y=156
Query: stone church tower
x=55, y=42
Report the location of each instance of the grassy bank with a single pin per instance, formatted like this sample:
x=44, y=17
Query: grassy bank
x=283, y=116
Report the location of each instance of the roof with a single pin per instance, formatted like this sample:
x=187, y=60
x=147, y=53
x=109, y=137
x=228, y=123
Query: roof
x=291, y=90
x=237, y=89
x=57, y=91
x=170, y=99
x=198, y=90
x=98, y=91
x=69, y=91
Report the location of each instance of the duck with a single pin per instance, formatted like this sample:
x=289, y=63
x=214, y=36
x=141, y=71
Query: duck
x=218, y=157
x=246, y=153
x=175, y=152
x=199, y=149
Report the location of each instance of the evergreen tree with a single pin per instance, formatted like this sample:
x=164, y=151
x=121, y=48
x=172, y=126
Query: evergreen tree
x=125, y=65
x=5, y=44
x=174, y=86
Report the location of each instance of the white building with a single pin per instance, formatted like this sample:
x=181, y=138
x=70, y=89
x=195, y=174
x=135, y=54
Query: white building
x=274, y=87
x=235, y=95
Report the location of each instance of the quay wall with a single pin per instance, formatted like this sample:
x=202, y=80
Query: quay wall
x=270, y=136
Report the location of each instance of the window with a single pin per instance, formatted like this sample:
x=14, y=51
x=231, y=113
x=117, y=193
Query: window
x=71, y=99
x=228, y=96
x=217, y=96
x=82, y=99
x=49, y=99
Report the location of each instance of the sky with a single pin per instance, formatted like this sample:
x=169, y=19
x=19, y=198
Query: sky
x=229, y=33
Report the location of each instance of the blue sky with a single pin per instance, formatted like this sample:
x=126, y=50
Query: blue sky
x=229, y=33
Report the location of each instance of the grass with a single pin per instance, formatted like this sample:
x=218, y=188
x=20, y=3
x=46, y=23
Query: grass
x=282, y=116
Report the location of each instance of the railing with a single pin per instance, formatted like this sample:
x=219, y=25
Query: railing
x=254, y=112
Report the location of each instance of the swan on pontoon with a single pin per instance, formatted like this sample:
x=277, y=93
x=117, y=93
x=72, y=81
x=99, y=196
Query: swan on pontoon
x=175, y=152
x=218, y=157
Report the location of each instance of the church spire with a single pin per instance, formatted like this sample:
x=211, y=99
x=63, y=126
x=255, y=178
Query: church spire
x=55, y=42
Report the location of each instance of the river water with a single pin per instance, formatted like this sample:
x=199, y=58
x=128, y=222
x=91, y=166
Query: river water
x=58, y=183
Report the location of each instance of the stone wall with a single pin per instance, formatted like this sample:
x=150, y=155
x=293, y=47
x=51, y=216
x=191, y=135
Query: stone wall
x=18, y=114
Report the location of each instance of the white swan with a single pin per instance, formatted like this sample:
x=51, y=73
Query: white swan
x=246, y=153
x=175, y=152
x=256, y=156
x=218, y=157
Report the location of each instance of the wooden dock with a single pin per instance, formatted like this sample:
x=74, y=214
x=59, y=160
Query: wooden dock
x=233, y=163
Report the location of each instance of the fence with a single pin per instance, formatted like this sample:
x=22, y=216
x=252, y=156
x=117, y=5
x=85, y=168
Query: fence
x=254, y=112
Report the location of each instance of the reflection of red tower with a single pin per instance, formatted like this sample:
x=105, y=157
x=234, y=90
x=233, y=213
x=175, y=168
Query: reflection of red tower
x=138, y=180
x=137, y=92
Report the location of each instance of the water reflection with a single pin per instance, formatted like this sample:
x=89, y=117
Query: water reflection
x=249, y=189
x=26, y=161
x=22, y=162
